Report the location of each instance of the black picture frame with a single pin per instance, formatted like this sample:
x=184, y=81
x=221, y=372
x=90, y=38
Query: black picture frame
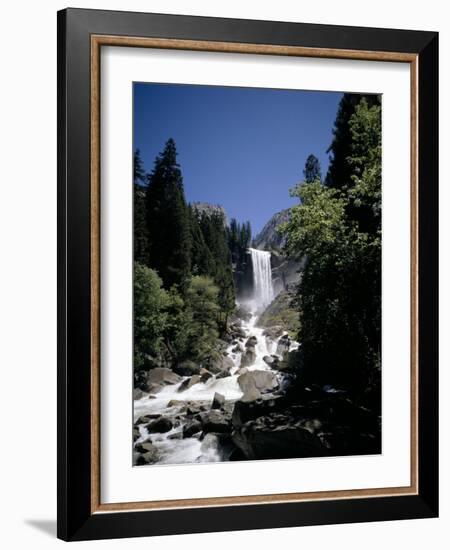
x=76, y=521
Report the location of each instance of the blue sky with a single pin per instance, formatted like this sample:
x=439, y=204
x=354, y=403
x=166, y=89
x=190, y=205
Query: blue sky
x=242, y=148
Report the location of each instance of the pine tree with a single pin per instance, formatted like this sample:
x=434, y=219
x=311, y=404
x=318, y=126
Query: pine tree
x=216, y=237
x=340, y=172
x=139, y=175
x=337, y=229
x=168, y=220
x=140, y=233
x=312, y=170
x=201, y=259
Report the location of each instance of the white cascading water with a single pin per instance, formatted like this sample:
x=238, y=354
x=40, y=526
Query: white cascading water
x=262, y=278
x=178, y=450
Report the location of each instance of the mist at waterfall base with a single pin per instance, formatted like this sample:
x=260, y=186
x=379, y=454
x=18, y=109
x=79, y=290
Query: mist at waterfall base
x=172, y=447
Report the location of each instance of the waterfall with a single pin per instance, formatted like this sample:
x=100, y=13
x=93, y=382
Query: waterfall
x=262, y=278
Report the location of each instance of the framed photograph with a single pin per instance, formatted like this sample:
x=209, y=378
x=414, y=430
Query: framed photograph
x=247, y=245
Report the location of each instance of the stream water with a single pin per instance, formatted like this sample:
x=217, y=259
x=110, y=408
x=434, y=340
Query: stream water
x=178, y=450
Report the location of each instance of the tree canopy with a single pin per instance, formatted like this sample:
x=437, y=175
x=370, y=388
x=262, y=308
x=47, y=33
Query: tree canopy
x=337, y=228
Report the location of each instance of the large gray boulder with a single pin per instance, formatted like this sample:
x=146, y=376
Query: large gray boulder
x=218, y=401
x=191, y=427
x=223, y=374
x=254, y=383
x=160, y=425
x=146, y=453
x=248, y=358
x=187, y=368
x=251, y=342
x=205, y=375
x=189, y=382
x=260, y=440
x=216, y=421
x=138, y=394
x=222, y=363
x=160, y=377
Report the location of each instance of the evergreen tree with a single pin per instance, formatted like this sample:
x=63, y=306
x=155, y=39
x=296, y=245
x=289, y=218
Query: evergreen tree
x=338, y=230
x=340, y=172
x=201, y=259
x=215, y=235
x=140, y=233
x=168, y=224
x=139, y=175
x=312, y=171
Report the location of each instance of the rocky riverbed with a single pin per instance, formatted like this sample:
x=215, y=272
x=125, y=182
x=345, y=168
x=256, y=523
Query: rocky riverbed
x=246, y=405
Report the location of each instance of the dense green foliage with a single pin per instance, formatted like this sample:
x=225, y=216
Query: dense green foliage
x=150, y=313
x=202, y=299
x=184, y=290
x=337, y=227
x=169, y=327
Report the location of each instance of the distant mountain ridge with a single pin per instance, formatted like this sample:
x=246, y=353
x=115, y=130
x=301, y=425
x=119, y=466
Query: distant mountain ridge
x=210, y=209
x=269, y=238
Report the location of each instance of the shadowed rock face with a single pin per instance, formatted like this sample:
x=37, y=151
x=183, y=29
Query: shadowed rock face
x=329, y=426
x=269, y=238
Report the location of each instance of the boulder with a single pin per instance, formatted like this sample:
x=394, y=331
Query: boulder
x=143, y=419
x=147, y=453
x=268, y=359
x=222, y=363
x=218, y=401
x=238, y=348
x=144, y=447
x=147, y=458
x=160, y=425
x=248, y=358
x=205, y=375
x=159, y=377
x=223, y=374
x=261, y=440
x=192, y=427
x=136, y=433
x=241, y=370
x=138, y=394
x=277, y=427
x=176, y=403
x=284, y=343
x=175, y=435
x=186, y=384
x=186, y=368
x=194, y=408
x=253, y=383
x=251, y=342
x=272, y=333
x=245, y=411
x=215, y=421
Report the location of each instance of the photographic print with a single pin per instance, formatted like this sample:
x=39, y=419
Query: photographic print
x=257, y=256
x=257, y=274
